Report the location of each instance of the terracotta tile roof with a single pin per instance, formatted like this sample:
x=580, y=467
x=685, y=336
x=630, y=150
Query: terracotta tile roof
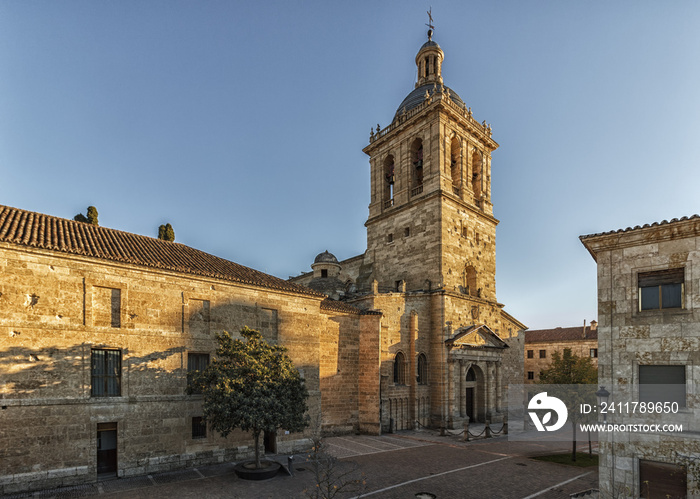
x=36, y=230
x=645, y=226
x=560, y=334
x=341, y=306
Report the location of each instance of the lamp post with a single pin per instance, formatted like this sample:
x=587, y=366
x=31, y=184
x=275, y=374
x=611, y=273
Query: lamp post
x=603, y=395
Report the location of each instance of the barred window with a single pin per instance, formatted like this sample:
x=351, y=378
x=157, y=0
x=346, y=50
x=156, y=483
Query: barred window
x=399, y=369
x=422, y=375
x=106, y=373
x=196, y=362
x=199, y=427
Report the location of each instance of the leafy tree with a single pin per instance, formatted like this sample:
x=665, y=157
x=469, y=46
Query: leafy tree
x=251, y=385
x=569, y=369
x=91, y=217
x=166, y=232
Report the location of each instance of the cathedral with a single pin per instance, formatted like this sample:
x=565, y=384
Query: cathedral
x=448, y=349
x=99, y=328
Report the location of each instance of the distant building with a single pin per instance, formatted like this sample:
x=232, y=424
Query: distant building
x=540, y=345
x=649, y=351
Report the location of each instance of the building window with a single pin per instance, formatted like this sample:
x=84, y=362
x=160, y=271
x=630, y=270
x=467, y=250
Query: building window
x=406, y=232
x=417, y=162
x=400, y=369
x=324, y=273
x=594, y=353
x=106, y=373
x=389, y=176
x=196, y=362
x=199, y=427
x=390, y=238
x=530, y=354
x=422, y=375
x=662, y=480
x=662, y=384
x=543, y=354
x=531, y=375
x=661, y=289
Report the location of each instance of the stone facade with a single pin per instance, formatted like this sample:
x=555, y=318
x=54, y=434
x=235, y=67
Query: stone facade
x=541, y=344
x=649, y=313
x=71, y=293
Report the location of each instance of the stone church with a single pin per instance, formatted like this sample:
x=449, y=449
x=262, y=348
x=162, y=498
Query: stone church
x=448, y=349
x=99, y=328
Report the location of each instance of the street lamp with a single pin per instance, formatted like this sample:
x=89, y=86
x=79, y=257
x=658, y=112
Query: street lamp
x=603, y=395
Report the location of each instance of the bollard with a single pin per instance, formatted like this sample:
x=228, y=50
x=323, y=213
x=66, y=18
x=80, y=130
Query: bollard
x=466, y=431
x=505, y=427
x=290, y=465
x=442, y=431
x=488, y=429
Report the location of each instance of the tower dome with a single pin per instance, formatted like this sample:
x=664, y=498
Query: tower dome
x=325, y=257
x=429, y=69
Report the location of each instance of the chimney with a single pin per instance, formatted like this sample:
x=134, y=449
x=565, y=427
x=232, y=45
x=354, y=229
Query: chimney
x=584, y=329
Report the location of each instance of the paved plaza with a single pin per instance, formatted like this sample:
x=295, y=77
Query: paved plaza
x=401, y=465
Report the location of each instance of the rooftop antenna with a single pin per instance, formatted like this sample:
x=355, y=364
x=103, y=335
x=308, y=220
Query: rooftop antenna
x=430, y=24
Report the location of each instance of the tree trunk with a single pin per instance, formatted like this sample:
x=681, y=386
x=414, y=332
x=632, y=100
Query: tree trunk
x=573, y=452
x=590, y=448
x=256, y=433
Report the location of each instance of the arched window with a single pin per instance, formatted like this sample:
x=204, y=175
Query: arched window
x=470, y=283
x=417, y=166
x=477, y=167
x=471, y=375
x=390, y=178
x=422, y=375
x=400, y=369
x=456, y=164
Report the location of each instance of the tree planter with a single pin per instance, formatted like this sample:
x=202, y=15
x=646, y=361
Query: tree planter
x=247, y=470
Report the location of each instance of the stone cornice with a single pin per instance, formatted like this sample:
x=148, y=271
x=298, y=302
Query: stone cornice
x=426, y=197
x=441, y=102
x=640, y=235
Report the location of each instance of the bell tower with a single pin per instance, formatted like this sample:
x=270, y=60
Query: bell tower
x=431, y=223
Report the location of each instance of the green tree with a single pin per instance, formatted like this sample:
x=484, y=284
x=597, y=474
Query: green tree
x=251, y=385
x=166, y=232
x=568, y=370
x=91, y=217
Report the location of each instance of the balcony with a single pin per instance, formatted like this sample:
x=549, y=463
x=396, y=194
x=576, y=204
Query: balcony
x=389, y=203
x=417, y=190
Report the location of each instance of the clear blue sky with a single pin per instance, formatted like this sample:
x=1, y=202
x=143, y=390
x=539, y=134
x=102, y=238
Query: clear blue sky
x=242, y=123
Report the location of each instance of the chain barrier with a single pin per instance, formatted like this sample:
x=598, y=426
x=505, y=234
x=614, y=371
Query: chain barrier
x=487, y=432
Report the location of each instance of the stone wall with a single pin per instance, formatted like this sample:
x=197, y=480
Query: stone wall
x=56, y=308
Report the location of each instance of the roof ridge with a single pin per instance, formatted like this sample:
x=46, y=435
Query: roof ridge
x=53, y=233
x=645, y=226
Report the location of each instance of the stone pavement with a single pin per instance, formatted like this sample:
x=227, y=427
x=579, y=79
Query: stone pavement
x=401, y=465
